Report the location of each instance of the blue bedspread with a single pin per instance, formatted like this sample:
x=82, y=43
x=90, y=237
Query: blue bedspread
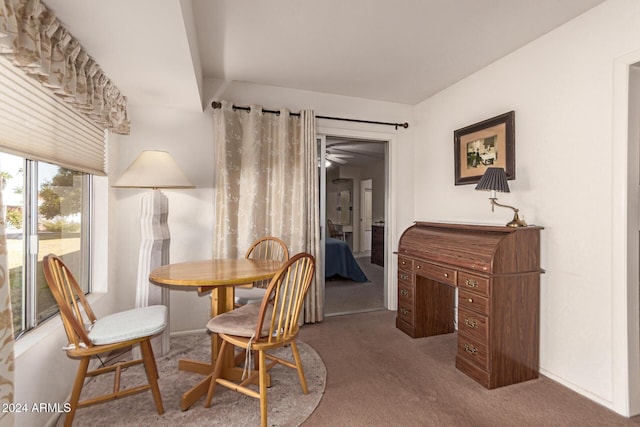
x=339, y=261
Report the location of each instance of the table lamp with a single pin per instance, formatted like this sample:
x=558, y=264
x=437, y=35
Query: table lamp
x=154, y=170
x=495, y=179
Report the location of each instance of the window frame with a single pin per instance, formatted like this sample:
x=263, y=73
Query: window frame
x=31, y=243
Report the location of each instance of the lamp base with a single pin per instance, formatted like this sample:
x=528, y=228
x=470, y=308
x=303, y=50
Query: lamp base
x=516, y=221
x=153, y=252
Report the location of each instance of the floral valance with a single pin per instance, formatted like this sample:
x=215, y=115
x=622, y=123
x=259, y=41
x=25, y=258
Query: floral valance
x=33, y=38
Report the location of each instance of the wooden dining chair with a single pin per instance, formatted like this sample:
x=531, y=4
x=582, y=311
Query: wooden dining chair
x=262, y=327
x=89, y=337
x=265, y=248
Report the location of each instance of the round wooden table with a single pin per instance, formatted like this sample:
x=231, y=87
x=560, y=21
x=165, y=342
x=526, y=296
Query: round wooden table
x=219, y=276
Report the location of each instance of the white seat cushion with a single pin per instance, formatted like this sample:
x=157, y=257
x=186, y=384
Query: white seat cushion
x=241, y=322
x=130, y=324
x=249, y=295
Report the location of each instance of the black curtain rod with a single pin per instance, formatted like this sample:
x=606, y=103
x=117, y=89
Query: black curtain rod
x=405, y=125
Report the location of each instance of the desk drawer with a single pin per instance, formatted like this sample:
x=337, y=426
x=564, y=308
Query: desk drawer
x=405, y=312
x=473, y=351
x=405, y=278
x=474, y=302
x=435, y=272
x=405, y=293
x=473, y=325
x=405, y=264
x=473, y=282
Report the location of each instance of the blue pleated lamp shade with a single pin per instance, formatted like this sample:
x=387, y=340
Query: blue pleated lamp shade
x=494, y=179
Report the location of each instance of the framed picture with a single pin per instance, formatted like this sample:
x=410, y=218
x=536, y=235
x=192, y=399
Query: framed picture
x=490, y=143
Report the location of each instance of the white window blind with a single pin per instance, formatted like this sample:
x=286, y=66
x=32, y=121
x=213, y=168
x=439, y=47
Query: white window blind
x=34, y=123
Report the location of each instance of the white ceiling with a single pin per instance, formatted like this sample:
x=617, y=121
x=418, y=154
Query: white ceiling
x=392, y=50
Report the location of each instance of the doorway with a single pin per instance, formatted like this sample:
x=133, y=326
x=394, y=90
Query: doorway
x=354, y=193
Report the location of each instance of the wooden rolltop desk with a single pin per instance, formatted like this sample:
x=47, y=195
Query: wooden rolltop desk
x=497, y=273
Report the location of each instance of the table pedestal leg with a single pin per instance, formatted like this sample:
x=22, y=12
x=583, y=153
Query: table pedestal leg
x=221, y=302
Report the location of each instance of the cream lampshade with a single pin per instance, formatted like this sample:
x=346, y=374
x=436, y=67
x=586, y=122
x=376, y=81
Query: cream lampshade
x=153, y=169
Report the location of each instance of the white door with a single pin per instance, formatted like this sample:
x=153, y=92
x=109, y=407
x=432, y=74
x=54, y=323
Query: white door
x=366, y=216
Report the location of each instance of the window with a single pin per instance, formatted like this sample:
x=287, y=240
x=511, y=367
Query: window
x=47, y=210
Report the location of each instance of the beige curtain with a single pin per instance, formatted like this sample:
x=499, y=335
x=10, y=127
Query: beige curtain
x=266, y=182
x=33, y=38
x=6, y=325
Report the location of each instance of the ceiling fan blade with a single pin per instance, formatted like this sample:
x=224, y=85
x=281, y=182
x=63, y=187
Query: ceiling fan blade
x=333, y=158
x=373, y=148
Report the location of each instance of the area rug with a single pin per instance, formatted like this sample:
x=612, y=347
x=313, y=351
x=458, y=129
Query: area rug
x=287, y=406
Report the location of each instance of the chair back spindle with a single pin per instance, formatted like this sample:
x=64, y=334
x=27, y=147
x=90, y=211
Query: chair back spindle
x=267, y=248
x=286, y=292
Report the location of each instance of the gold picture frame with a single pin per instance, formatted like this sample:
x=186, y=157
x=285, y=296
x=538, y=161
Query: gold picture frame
x=490, y=143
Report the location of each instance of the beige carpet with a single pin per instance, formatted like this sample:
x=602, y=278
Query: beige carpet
x=344, y=296
x=286, y=403
x=378, y=376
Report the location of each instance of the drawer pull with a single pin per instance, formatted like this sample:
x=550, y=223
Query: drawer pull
x=418, y=266
x=470, y=300
x=404, y=277
x=472, y=323
x=404, y=292
x=446, y=274
x=469, y=349
x=404, y=311
x=404, y=262
x=471, y=283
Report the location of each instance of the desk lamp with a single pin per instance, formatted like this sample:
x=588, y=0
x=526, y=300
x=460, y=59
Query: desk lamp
x=154, y=170
x=495, y=179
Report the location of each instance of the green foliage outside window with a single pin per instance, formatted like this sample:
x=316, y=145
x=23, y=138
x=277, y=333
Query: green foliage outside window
x=58, y=192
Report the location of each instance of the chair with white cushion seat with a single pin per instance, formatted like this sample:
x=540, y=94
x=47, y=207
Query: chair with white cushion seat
x=262, y=327
x=89, y=336
x=265, y=248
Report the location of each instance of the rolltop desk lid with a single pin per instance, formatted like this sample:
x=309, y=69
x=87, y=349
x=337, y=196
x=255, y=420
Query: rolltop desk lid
x=489, y=249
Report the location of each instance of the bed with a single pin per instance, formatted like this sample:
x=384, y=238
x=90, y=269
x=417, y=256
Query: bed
x=339, y=261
